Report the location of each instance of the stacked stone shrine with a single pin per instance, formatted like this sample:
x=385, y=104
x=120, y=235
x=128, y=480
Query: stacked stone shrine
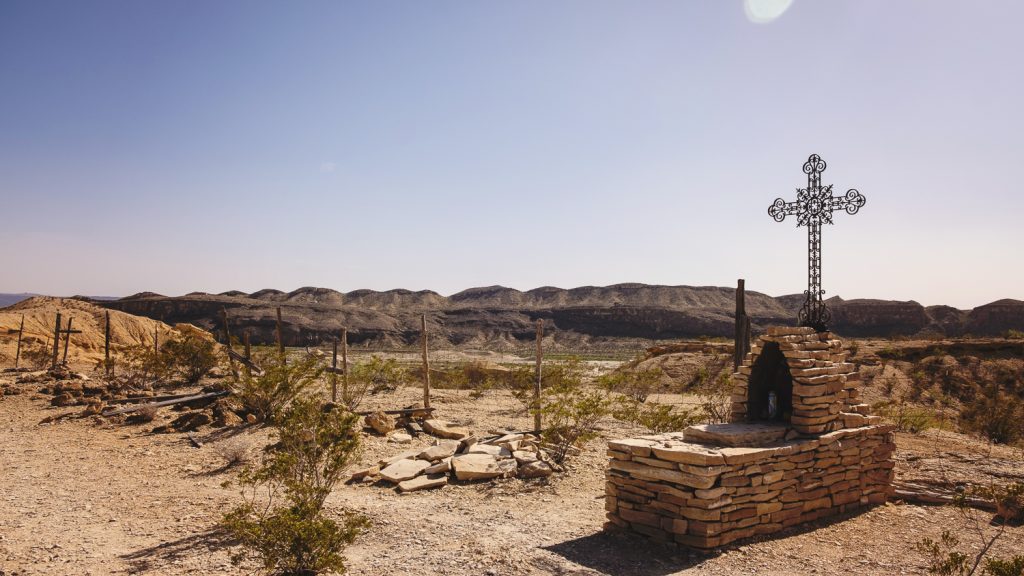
x=800, y=446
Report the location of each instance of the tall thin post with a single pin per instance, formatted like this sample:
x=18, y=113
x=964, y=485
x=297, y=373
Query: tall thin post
x=106, y=346
x=280, y=337
x=741, y=340
x=156, y=340
x=536, y=385
x=17, y=351
x=426, y=362
x=56, y=341
x=67, y=340
x=334, y=373
x=248, y=354
x=227, y=340
x=344, y=364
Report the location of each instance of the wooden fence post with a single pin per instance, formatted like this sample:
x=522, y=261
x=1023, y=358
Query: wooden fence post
x=426, y=362
x=741, y=343
x=334, y=374
x=537, y=384
x=106, y=346
x=344, y=364
x=56, y=341
x=227, y=340
x=67, y=340
x=248, y=354
x=280, y=338
x=17, y=352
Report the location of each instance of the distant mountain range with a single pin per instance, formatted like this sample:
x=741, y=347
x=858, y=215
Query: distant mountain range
x=10, y=299
x=496, y=315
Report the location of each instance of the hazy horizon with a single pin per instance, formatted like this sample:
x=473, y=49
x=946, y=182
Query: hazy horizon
x=449, y=294
x=179, y=147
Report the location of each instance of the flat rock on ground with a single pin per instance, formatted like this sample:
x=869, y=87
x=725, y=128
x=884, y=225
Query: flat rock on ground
x=404, y=470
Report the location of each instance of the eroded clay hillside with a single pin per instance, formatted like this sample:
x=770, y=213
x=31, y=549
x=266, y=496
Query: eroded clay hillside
x=578, y=317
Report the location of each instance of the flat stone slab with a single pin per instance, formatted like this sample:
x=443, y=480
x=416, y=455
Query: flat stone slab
x=404, y=470
x=423, y=483
x=496, y=451
x=750, y=434
x=439, y=451
x=477, y=467
x=443, y=429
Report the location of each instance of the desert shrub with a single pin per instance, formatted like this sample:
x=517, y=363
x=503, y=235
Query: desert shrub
x=905, y=416
x=655, y=417
x=714, y=399
x=520, y=381
x=269, y=394
x=233, y=453
x=377, y=375
x=37, y=355
x=634, y=384
x=145, y=414
x=946, y=556
x=1014, y=334
x=139, y=367
x=569, y=409
x=191, y=357
x=997, y=416
x=281, y=522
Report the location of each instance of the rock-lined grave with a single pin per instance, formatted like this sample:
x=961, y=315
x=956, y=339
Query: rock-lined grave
x=457, y=454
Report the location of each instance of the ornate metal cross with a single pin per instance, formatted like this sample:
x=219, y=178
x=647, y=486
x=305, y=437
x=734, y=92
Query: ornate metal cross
x=813, y=207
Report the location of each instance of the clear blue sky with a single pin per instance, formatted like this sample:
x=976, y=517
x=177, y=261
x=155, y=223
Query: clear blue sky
x=201, y=145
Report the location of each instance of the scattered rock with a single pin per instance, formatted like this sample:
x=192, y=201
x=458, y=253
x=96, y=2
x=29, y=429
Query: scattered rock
x=365, y=473
x=523, y=457
x=399, y=438
x=190, y=421
x=380, y=422
x=536, y=469
x=404, y=470
x=227, y=418
x=408, y=455
x=476, y=466
x=444, y=466
x=496, y=451
x=443, y=429
x=423, y=483
x=439, y=451
x=64, y=399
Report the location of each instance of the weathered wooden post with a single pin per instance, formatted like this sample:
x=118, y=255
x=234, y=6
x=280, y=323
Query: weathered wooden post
x=426, y=362
x=227, y=340
x=280, y=337
x=107, y=367
x=741, y=344
x=344, y=364
x=536, y=385
x=334, y=373
x=67, y=341
x=56, y=342
x=248, y=354
x=17, y=351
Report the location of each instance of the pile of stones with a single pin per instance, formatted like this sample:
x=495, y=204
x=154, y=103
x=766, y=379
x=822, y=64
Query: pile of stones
x=458, y=455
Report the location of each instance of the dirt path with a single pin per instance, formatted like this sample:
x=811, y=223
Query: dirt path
x=82, y=498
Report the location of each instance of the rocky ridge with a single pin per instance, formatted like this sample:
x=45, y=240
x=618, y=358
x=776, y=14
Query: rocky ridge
x=500, y=316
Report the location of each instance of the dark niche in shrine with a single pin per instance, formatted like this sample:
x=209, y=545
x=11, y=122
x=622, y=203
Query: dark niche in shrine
x=770, y=386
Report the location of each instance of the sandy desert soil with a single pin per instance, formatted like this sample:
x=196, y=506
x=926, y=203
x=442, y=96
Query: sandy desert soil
x=78, y=497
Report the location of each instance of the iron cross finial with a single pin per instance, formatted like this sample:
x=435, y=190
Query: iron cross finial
x=813, y=207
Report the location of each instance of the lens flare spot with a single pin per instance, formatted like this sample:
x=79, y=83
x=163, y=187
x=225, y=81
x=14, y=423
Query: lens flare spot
x=765, y=11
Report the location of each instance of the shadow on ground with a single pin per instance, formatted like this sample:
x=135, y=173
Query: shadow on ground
x=155, y=557
x=619, y=552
